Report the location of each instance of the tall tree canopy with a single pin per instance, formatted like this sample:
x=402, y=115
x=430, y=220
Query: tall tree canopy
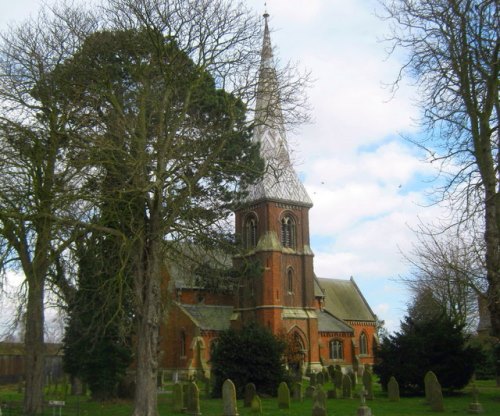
x=453, y=49
x=426, y=342
x=185, y=150
x=154, y=92
x=38, y=185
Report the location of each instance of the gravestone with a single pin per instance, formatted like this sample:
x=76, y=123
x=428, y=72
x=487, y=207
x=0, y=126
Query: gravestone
x=435, y=395
x=363, y=409
x=297, y=394
x=256, y=405
x=338, y=377
x=429, y=378
x=283, y=396
x=178, y=398
x=229, y=404
x=326, y=375
x=475, y=407
x=185, y=388
x=193, y=402
x=250, y=392
x=318, y=409
x=320, y=378
x=321, y=396
x=346, y=387
x=310, y=392
x=313, y=379
x=368, y=384
x=393, y=389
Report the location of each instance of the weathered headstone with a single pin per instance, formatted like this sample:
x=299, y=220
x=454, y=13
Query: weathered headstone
x=320, y=396
x=297, y=394
x=256, y=405
x=429, y=378
x=185, y=393
x=435, y=395
x=193, y=402
x=178, y=398
x=229, y=404
x=368, y=384
x=332, y=394
x=475, y=407
x=393, y=389
x=363, y=409
x=283, y=396
x=346, y=387
x=310, y=392
x=250, y=392
x=320, y=378
x=318, y=409
x=337, y=381
x=313, y=380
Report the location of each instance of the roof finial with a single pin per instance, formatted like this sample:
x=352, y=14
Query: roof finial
x=267, y=52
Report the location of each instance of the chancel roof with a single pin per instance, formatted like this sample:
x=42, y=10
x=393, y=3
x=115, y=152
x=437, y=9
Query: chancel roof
x=343, y=299
x=328, y=323
x=280, y=181
x=209, y=317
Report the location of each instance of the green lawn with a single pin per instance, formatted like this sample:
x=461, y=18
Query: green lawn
x=457, y=404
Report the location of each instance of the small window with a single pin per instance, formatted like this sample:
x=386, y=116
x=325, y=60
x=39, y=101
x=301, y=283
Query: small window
x=336, y=350
x=363, y=344
x=183, y=344
x=290, y=280
x=288, y=231
x=250, y=232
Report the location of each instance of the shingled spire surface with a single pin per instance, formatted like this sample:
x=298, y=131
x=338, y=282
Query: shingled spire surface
x=280, y=181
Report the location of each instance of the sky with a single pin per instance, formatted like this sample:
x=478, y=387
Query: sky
x=369, y=186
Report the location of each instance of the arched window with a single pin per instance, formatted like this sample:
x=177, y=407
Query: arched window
x=288, y=231
x=289, y=277
x=250, y=231
x=363, y=344
x=183, y=344
x=336, y=349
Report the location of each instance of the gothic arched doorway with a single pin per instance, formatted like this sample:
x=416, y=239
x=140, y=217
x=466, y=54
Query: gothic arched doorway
x=295, y=353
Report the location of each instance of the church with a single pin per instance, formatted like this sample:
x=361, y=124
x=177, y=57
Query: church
x=325, y=321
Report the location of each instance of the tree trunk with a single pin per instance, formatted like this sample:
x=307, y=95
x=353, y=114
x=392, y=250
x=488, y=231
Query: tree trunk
x=34, y=348
x=492, y=238
x=148, y=324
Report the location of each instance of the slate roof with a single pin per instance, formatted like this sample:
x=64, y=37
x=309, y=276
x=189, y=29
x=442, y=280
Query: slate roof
x=209, y=317
x=328, y=323
x=187, y=268
x=344, y=300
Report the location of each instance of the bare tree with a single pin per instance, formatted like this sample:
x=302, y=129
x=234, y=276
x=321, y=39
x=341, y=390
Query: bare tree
x=37, y=185
x=165, y=86
x=452, y=49
x=448, y=268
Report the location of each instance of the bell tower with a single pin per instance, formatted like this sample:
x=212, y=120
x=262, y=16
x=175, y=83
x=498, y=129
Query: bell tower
x=273, y=223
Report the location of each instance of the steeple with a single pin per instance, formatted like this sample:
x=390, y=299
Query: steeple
x=280, y=181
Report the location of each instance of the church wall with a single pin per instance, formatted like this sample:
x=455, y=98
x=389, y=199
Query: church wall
x=176, y=334
x=324, y=348
x=369, y=329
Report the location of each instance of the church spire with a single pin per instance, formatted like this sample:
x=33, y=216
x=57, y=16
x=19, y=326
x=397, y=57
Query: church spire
x=280, y=182
x=267, y=50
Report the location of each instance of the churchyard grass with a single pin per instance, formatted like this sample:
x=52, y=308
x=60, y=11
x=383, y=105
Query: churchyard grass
x=457, y=404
